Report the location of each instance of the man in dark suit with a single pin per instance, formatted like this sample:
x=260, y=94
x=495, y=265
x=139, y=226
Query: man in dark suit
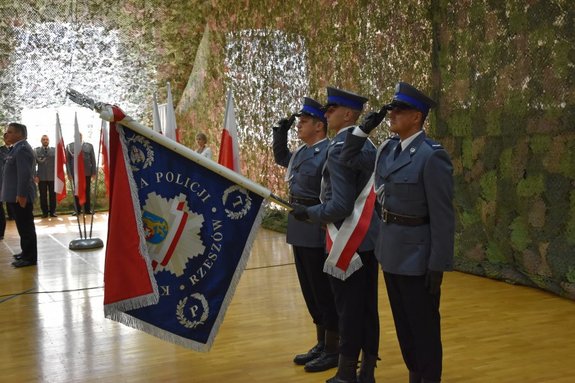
x=90, y=171
x=414, y=183
x=304, y=167
x=18, y=190
x=45, y=157
x=355, y=288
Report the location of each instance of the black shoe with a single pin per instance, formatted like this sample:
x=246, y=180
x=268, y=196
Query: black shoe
x=24, y=263
x=53, y=215
x=74, y=214
x=302, y=359
x=323, y=362
x=45, y=215
x=17, y=256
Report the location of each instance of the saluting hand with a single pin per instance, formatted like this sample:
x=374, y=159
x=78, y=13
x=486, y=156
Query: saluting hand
x=372, y=120
x=284, y=125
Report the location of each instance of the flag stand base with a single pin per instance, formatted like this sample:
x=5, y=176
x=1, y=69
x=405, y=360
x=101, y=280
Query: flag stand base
x=86, y=244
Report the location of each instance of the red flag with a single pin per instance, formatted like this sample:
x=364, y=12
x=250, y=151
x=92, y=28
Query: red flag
x=79, y=171
x=127, y=277
x=229, y=148
x=105, y=147
x=60, y=161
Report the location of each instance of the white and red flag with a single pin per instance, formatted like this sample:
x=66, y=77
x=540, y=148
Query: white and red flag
x=229, y=147
x=79, y=171
x=156, y=115
x=171, y=129
x=105, y=147
x=60, y=161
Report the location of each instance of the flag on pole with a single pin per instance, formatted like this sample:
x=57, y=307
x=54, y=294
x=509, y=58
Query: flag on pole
x=105, y=148
x=229, y=147
x=180, y=229
x=171, y=130
x=156, y=115
x=79, y=172
x=60, y=161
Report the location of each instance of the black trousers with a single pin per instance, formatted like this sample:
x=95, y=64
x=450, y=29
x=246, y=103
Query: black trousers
x=417, y=323
x=2, y=220
x=356, y=303
x=47, y=194
x=315, y=286
x=87, y=205
x=24, y=218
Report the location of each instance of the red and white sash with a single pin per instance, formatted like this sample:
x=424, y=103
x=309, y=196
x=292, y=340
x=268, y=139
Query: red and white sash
x=342, y=244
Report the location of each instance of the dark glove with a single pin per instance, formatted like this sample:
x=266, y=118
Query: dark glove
x=372, y=120
x=299, y=212
x=433, y=281
x=284, y=125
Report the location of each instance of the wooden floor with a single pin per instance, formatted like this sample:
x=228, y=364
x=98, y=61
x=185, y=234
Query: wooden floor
x=52, y=327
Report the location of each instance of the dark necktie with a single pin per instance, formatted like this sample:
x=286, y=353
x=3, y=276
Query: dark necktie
x=397, y=151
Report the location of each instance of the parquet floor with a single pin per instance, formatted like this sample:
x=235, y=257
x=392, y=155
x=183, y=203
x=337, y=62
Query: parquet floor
x=52, y=327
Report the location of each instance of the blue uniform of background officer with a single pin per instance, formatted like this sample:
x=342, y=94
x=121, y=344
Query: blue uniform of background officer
x=308, y=239
x=413, y=179
x=356, y=296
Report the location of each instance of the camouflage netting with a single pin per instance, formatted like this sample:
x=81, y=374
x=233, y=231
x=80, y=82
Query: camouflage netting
x=502, y=71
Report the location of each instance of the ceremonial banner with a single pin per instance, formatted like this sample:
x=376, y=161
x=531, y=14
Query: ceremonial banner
x=60, y=162
x=179, y=235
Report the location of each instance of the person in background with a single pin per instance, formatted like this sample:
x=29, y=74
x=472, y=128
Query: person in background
x=201, y=142
x=4, y=150
x=414, y=184
x=45, y=157
x=19, y=190
x=90, y=170
x=304, y=168
x=342, y=196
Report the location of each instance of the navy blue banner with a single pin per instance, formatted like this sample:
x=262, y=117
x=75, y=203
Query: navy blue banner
x=199, y=227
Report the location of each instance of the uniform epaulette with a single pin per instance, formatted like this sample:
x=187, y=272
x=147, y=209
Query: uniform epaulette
x=434, y=145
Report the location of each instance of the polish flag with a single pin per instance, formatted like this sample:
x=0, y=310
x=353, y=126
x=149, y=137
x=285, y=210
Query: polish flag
x=60, y=161
x=79, y=172
x=156, y=115
x=171, y=130
x=229, y=147
x=105, y=147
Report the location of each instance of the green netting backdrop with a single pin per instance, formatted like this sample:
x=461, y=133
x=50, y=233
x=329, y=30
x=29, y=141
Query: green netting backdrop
x=502, y=71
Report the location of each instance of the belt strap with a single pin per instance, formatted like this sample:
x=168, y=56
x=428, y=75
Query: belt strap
x=304, y=200
x=407, y=220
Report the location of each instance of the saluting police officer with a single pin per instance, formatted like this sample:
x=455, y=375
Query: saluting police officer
x=356, y=295
x=414, y=183
x=304, y=167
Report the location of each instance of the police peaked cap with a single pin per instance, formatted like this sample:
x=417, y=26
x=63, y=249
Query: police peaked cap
x=342, y=97
x=407, y=94
x=312, y=108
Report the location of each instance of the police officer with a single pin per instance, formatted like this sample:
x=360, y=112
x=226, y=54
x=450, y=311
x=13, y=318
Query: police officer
x=413, y=180
x=303, y=175
x=45, y=157
x=356, y=295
